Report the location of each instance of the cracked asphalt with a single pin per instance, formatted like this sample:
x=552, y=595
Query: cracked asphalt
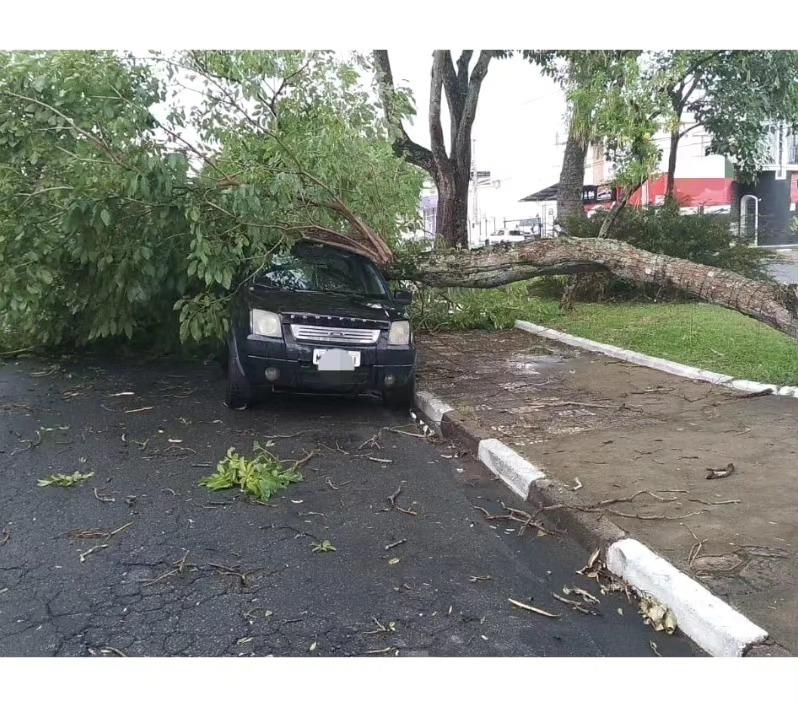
x=200, y=573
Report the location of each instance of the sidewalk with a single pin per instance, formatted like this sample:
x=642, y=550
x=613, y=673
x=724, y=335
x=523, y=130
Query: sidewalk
x=618, y=429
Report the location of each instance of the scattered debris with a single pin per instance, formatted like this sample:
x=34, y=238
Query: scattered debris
x=231, y=571
x=577, y=485
x=260, y=477
x=180, y=566
x=394, y=506
x=479, y=578
x=113, y=650
x=393, y=561
x=575, y=605
x=102, y=498
x=6, y=536
x=386, y=650
x=312, y=647
x=64, y=481
x=657, y=615
x=333, y=486
x=717, y=473
x=107, y=535
x=323, y=546
x=381, y=628
x=529, y=607
x=587, y=597
x=395, y=544
x=123, y=393
x=379, y=460
x=139, y=410
x=526, y=519
x=653, y=647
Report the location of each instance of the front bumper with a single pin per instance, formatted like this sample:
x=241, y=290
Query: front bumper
x=294, y=362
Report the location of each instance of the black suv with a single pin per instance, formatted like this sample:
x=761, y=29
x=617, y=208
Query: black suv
x=320, y=319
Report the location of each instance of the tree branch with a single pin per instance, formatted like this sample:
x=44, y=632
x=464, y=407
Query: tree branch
x=472, y=97
x=403, y=145
x=440, y=58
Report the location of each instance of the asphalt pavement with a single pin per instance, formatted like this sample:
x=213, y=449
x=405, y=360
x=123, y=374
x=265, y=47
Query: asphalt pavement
x=141, y=560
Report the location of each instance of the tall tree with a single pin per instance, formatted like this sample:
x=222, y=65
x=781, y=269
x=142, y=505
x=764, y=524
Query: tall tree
x=450, y=169
x=732, y=94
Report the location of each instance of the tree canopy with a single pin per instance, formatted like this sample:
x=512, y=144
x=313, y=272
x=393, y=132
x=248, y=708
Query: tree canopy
x=134, y=191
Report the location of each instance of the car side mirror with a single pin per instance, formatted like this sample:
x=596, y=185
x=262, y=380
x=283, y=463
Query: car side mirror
x=403, y=297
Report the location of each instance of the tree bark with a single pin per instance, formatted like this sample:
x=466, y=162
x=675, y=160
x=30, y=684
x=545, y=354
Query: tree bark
x=450, y=170
x=674, y=147
x=772, y=304
x=572, y=178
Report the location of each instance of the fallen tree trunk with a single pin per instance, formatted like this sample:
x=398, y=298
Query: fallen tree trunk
x=775, y=305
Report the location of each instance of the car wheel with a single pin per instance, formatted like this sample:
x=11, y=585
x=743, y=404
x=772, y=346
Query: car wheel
x=402, y=397
x=238, y=394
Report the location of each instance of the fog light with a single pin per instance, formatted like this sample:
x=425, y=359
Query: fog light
x=272, y=373
x=390, y=380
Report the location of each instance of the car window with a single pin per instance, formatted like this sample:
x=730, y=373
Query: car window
x=323, y=270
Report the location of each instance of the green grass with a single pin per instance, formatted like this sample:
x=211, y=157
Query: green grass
x=701, y=335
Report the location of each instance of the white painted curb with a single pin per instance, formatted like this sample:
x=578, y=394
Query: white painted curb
x=431, y=406
x=515, y=471
x=706, y=619
x=670, y=367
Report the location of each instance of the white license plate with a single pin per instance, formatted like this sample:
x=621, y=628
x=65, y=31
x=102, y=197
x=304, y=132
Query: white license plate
x=336, y=359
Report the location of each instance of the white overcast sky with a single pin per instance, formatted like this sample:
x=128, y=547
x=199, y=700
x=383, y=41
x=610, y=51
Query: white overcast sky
x=519, y=118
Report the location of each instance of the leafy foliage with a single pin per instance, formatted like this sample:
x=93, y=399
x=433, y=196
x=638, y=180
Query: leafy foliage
x=455, y=309
x=260, y=477
x=131, y=212
x=64, y=481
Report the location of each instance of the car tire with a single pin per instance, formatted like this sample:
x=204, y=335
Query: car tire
x=239, y=393
x=402, y=397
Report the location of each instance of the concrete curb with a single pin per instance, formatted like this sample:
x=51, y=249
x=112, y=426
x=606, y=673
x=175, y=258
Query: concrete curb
x=708, y=620
x=670, y=367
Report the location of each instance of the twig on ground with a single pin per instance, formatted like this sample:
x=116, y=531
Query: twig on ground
x=716, y=502
x=304, y=460
x=108, y=536
x=529, y=607
x=394, y=506
x=6, y=536
x=288, y=435
x=696, y=547
x=112, y=650
x=479, y=578
x=576, y=606
x=102, y=498
x=396, y=544
x=230, y=571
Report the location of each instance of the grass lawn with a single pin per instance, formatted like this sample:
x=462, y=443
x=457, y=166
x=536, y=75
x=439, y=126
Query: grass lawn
x=701, y=335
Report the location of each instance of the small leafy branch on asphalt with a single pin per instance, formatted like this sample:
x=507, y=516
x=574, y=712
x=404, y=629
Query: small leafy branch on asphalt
x=323, y=546
x=260, y=477
x=64, y=481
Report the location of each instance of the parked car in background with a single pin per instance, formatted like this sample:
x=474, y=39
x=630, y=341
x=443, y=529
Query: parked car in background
x=323, y=320
x=506, y=236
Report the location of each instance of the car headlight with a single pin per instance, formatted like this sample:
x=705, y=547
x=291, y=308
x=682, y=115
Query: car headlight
x=266, y=324
x=399, y=332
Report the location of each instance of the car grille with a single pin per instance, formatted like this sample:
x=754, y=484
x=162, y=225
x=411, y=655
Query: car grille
x=337, y=335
